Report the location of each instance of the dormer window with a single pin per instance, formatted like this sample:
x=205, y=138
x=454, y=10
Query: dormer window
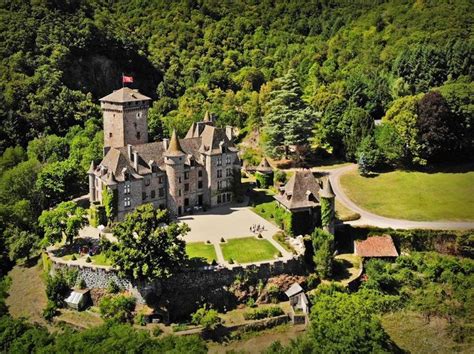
x=219, y=161
x=126, y=188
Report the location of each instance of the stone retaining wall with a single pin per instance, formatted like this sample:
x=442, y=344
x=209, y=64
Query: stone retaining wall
x=184, y=292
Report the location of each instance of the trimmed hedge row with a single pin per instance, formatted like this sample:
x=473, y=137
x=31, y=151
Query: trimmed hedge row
x=266, y=312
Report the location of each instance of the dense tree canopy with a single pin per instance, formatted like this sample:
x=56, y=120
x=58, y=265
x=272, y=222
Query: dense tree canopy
x=149, y=245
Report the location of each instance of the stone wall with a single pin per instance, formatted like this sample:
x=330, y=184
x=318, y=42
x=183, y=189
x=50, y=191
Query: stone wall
x=187, y=290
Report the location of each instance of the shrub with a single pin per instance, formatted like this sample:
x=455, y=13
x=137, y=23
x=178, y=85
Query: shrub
x=208, y=318
x=263, y=180
x=57, y=288
x=113, y=287
x=265, y=312
x=222, y=239
x=214, y=262
x=74, y=258
x=179, y=327
x=82, y=284
x=140, y=319
x=117, y=308
x=88, y=259
x=313, y=281
x=251, y=302
x=279, y=254
x=50, y=310
x=231, y=261
x=259, y=236
x=273, y=292
x=279, y=177
x=157, y=331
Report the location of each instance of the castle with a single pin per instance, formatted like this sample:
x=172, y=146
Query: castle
x=178, y=174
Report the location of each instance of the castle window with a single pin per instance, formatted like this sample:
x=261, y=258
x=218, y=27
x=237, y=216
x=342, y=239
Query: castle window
x=219, y=161
x=147, y=181
x=229, y=197
x=200, y=184
x=161, y=192
x=139, y=114
x=110, y=135
x=179, y=192
x=127, y=201
x=227, y=160
x=219, y=185
x=219, y=199
x=160, y=180
x=126, y=188
x=179, y=179
x=143, y=196
x=228, y=172
x=186, y=202
x=186, y=175
x=138, y=135
x=153, y=194
x=186, y=187
x=200, y=173
x=219, y=173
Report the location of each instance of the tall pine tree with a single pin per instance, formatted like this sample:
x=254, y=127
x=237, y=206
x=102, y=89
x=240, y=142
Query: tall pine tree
x=289, y=120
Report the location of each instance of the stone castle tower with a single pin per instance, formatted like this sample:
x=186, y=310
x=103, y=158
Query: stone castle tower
x=174, y=160
x=125, y=114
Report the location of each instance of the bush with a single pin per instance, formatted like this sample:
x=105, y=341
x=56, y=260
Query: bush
x=74, y=258
x=279, y=254
x=88, y=259
x=140, y=319
x=279, y=177
x=251, y=302
x=231, y=261
x=157, y=331
x=222, y=239
x=266, y=312
x=208, y=318
x=117, y=308
x=50, y=310
x=259, y=236
x=82, y=284
x=273, y=292
x=112, y=287
x=313, y=281
x=263, y=180
x=57, y=288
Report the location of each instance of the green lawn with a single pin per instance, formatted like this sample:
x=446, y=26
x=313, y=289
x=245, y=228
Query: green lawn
x=248, y=249
x=265, y=206
x=414, y=195
x=201, y=250
x=100, y=259
x=413, y=333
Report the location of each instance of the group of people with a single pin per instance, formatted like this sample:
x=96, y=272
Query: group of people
x=257, y=228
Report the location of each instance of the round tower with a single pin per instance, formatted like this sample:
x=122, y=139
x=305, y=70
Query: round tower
x=327, y=200
x=174, y=160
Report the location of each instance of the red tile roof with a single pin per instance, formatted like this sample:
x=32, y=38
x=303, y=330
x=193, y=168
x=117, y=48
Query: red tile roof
x=376, y=246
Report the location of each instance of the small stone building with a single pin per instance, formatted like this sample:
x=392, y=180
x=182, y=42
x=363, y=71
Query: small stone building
x=302, y=196
x=181, y=175
x=376, y=247
x=264, y=174
x=79, y=299
x=299, y=304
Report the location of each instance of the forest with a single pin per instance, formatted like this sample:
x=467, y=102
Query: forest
x=387, y=84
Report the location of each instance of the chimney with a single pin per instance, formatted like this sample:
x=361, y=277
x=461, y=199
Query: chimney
x=229, y=131
x=221, y=146
x=129, y=151
x=135, y=160
x=166, y=143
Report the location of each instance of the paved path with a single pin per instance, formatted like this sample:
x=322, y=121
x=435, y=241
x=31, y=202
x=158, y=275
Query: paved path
x=368, y=218
x=229, y=221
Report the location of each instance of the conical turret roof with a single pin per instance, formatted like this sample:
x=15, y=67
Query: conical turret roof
x=174, y=149
x=264, y=166
x=91, y=168
x=327, y=191
x=207, y=117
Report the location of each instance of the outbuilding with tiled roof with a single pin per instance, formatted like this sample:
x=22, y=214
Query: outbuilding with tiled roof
x=376, y=247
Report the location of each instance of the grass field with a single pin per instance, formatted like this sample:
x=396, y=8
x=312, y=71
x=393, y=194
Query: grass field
x=101, y=259
x=201, y=250
x=411, y=332
x=248, y=249
x=414, y=195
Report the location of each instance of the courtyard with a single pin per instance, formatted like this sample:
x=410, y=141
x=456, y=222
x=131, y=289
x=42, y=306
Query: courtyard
x=231, y=230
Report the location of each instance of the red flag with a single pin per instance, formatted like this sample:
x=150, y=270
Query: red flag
x=127, y=79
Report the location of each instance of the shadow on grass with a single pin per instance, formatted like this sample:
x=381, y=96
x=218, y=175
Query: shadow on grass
x=340, y=271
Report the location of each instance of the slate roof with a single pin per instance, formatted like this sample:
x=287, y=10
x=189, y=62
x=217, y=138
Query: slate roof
x=264, y=166
x=301, y=191
x=295, y=289
x=125, y=94
x=212, y=138
x=376, y=246
x=326, y=191
x=174, y=148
